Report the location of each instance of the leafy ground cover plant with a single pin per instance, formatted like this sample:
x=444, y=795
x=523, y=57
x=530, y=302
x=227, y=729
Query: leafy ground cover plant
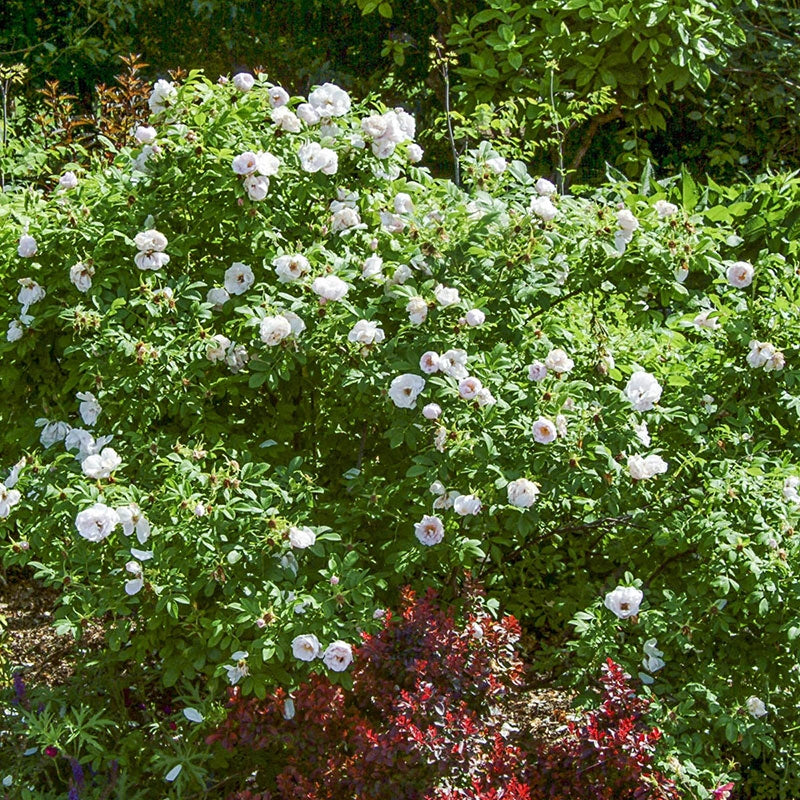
x=263, y=370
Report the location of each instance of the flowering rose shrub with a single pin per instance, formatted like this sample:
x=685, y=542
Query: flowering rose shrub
x=263, y=369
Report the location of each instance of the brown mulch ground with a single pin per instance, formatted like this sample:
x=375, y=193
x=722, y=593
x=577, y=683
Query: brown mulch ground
x=31, y=645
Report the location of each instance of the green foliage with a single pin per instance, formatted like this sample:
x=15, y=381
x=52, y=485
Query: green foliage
x=228, y=438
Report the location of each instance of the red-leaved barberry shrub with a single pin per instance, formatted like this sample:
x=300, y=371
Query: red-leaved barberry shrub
x=423, y=722
x=419, y=714
x=607, y=756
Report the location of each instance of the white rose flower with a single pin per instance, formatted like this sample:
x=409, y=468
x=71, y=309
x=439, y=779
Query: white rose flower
x=643, y=391
x=475, y=317
x=497, y=165
x=257, y=187
x=102, y=464
x=641, y=469
x=345, y=219
x=151, y=245
x=522, y=493
x=790, y=489
x=485, y=398
x=286, y=120
x=27, y=247
x=760, y=353
x=417, y=310
x=544, y=431
x=330, y=287
x=52, y=432
x=401, y=274
x=642, y=433
x=434, y=411
x=8, y=498
x=238, y=670
x=134, y=521
x=392, y=223
x=217, y=348
x=30, y=293
x=81, y=276
x=467, y=504
x=69, y=180
x=740, y=274
x=295, y=323
x=15, y=331
x=278, y=96
x=217, y=297
x=440, y=439
x=405, y=389
x=665, y=209
x=403, y=203
x=561, y=425
x=652, y=661
x=307, y=113
x=372, y=267
x=429, y=531
x=453, y=363
x=545, y=188
x=238, y=278
x=702, y=320
x=775, y=362
x=468, y=388
x=558, y=361
x=537, y=371
x=273, y=330
x=366, y=332
x=624, y=601
x=300, y=538
x=243, y=81
x=429, y=362
x=245, y=163
x=290, y=268
x=89, y=408
x=755, y=707
x=414, y=153
x=446, y=500
x=306, y=647
x=162, y=96
x=446, y=296
x=338, y=656
x=626, y=221
x=236, y=357
x=330, y=100
x=543, y=208
x=144, y=134
x=97, y=522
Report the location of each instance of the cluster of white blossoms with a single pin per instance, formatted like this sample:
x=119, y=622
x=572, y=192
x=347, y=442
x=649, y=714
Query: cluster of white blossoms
x=463, y=504
x=316, y=158
x=386, y=131
x=301, y=537
x=222, y=349
x=665, y=209
x=642, y=468
x=30, y=293
x=256, y=169
x=337, y=656
x=624, y=601
x=273, y=330
x=100, y=465
x=151, y=245
x=766, y=356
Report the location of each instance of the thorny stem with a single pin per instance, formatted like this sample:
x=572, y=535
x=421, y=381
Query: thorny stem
x=445, y=68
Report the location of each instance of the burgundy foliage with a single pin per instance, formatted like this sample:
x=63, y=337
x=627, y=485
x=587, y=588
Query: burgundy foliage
x=423, y=722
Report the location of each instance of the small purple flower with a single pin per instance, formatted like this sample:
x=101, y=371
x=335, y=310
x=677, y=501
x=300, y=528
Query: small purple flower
x=19, y=690
x=77, y=772
x=73, y=794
